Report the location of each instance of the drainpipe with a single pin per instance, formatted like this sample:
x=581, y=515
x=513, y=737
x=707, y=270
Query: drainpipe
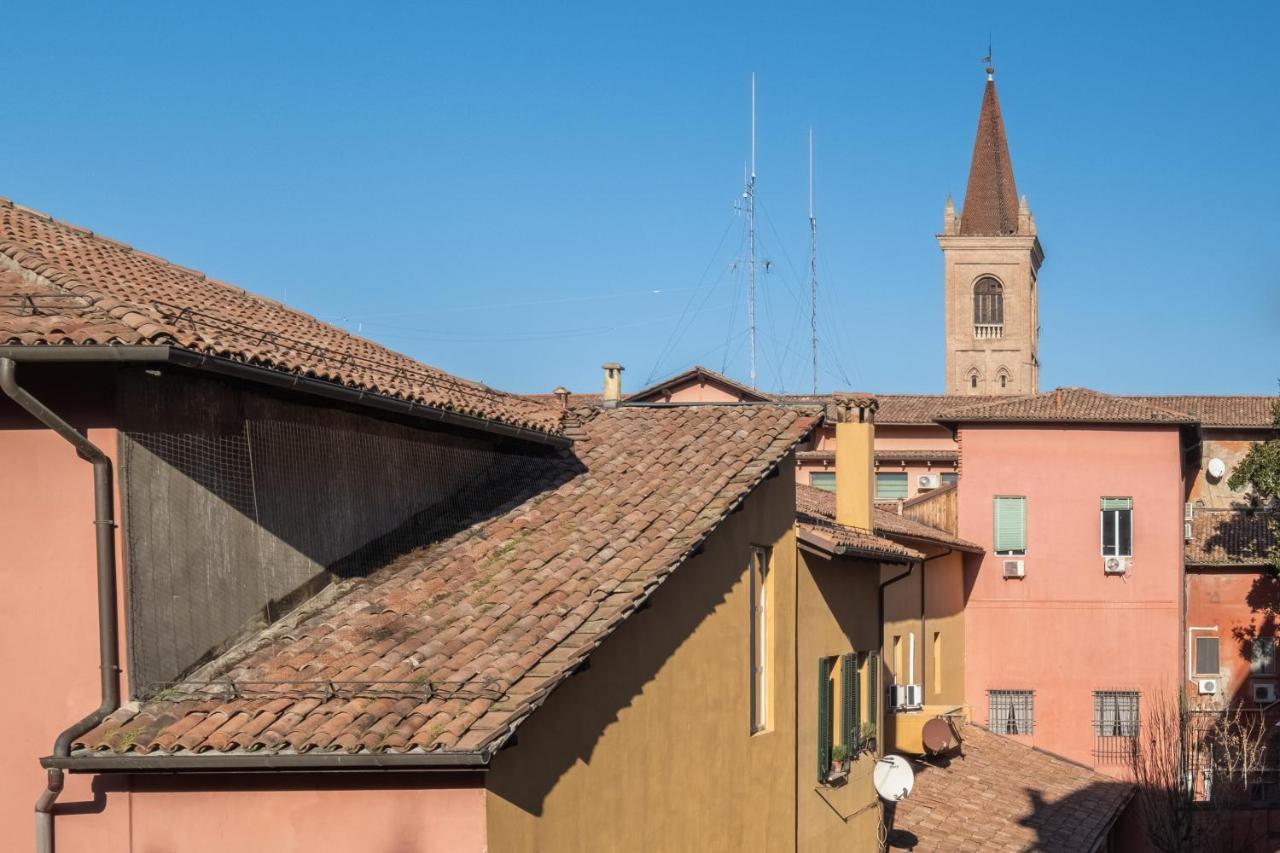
x=108, y=643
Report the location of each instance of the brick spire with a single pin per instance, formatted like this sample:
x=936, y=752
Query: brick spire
x=991, y=201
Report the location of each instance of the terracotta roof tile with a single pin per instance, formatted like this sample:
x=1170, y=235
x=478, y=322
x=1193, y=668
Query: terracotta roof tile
x=1232, y=537
x=999, y=791
x=991, y=200
x=1221, y=411
x=1066, y=405
x=63, y=285
x=451, y=646
x=814, y=503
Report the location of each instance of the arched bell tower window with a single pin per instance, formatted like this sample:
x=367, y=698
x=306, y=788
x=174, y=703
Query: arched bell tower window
x=973, y=379
x=988, y=308
x=1004, y=378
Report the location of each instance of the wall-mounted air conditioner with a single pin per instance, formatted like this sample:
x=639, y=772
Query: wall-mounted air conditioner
x=1014, y=569
x=1208, y=686
x=1115, y=565
x=908, y=696
x=1264, y=693
x=925, y=482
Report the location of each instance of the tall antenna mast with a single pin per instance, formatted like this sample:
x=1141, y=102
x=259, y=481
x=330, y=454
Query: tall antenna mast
x=813, y=271
x=750, y=195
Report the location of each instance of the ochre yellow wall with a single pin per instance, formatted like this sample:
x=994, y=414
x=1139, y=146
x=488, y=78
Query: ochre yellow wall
x=650, y=748
x=838, y=613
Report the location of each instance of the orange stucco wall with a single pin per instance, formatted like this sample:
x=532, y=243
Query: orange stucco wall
x=1235, y=606
x=1067, y=629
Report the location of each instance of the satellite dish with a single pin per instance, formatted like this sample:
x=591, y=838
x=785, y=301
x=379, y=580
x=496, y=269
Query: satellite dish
x=1217, y=468
x=937, y=736
x=893, y=778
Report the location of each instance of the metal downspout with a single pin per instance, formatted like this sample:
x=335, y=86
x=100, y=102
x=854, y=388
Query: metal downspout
x=108, y=643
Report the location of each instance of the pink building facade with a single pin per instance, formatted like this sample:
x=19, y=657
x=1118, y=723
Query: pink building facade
x=1060, y=652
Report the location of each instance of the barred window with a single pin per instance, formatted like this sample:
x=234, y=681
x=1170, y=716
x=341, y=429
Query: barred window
x=1010, y=712
x=1115, y=724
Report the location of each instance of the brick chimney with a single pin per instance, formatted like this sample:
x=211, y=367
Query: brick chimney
x=855, y=459
x=562, y=397
x=612, y=384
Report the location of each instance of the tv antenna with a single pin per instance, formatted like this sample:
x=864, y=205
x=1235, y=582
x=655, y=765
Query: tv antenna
x=749, y=197
x=813, y=272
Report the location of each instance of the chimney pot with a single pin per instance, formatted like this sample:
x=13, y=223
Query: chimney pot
x=562, y=394
x=855, y=459
x=612, y=384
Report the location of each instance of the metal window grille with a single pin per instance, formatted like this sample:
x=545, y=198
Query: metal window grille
x=1115, y=725
x=1011, y=712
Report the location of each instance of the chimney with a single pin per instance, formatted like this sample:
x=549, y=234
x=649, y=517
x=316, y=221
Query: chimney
x=612, y=384
x=562, y=396
x=855, y=459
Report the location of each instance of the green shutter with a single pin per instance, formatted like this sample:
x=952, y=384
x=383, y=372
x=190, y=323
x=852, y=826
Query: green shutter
x=849, y=699
x=824, y=718
x=1117, y=503
x=891, y=486
x=873, y=689
x=1011, y=524
x=824, y=480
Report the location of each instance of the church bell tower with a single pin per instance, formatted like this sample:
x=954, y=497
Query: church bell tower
x=992, y=256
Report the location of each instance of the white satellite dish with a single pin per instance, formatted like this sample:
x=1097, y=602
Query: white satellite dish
x=893, y=778
x=1217, y=468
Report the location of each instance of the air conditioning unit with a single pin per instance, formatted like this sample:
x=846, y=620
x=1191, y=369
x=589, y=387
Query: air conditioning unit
x=1208, y=686
x=907, y=695
x=1115, y=565
x=1264, y=693
x=925, y=482
x=1014, y=569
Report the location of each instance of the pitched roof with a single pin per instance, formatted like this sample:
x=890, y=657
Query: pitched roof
x=746, y=393
x=1232, y=537
x=1220, y=411
x=909, y=409
x=67, y=286
x=451, y=646
x=819, y=506
x=997, y=794
x=1067, y=405
x=991, y=201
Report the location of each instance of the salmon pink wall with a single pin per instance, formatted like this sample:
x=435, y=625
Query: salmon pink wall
x=1067, y=629
x=890, y=437
x=700, y=392
x=1236, y=606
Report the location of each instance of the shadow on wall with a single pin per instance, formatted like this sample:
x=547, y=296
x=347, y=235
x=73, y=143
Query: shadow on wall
x=579, y=711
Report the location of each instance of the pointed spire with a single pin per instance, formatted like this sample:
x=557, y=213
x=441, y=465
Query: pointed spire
x=991, y=200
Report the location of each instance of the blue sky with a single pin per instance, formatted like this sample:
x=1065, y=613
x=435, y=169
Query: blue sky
x=519, y=192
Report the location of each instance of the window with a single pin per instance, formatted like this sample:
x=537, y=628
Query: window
x=973, y=379
x=844, y=706
x=950, y=478
x=891, y=485
x=1262, y=658
x=1115, y=725
x=937, y=661
x=1117, y=527
x=1010, y=712
x=1011, y=525
x=1207, y=656
x=897, y=658
x=988, y=307
x=761, y=586
x=1004, y=380
x=825, y=480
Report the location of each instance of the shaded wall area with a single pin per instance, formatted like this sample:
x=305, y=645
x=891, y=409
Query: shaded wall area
x=650, y=748
x=939, y=635
x=240, y=504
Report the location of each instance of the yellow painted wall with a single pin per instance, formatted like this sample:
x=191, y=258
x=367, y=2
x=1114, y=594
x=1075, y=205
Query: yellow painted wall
x=838, y=613
x=650, y=748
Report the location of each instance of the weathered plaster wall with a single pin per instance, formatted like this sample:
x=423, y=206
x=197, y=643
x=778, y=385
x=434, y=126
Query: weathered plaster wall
x=1230, y=446
x=838, y=603
x=1238, y=606
x=1067, y=629
x=650, y=748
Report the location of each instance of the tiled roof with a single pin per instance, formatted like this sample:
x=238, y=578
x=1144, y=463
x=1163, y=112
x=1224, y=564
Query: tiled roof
x=907, y=409
x=1067, y=405
x=849, y=541
x=1000, y=795
x=815, y=504
x=451, y=646
x=66, y=286
x=711, y=377
x=886, y=455
x=1218, y=411
x=991, y=200
x=1232, y=537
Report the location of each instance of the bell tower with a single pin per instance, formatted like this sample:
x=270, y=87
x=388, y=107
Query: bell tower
x=992, y=256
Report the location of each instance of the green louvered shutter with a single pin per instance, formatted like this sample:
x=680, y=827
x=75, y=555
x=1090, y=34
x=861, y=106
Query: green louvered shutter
x=824, y=718
x=1117, y=503
x=1011, y=524
x=849, y=699
x=873, y=689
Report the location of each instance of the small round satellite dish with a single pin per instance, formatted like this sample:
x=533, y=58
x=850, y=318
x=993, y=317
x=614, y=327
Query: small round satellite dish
x=1217, y=468
x=937, y=736
x=893, y=778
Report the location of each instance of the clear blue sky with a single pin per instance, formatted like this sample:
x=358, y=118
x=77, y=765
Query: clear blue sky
x=519, y=192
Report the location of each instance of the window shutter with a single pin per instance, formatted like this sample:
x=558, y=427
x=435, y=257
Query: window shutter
x=824, y=718
x=1011, y=524
x=873, y=688
x=1117, y=503
x=753, y=649
x=849, y=699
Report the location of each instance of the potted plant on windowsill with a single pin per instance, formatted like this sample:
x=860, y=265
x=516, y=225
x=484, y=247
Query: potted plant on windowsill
x=867, y=738
x=839, y=771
